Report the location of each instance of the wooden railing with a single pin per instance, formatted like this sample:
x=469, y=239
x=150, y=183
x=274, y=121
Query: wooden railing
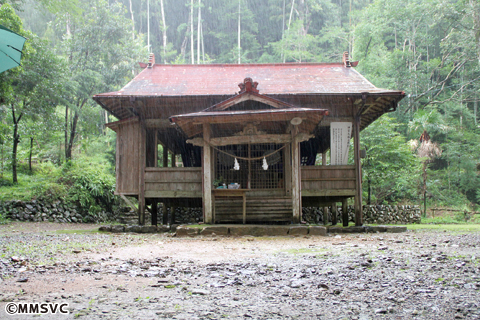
x=173, y=182
x=328, y=180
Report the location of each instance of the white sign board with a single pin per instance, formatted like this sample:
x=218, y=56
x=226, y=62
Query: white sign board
x=340, y=134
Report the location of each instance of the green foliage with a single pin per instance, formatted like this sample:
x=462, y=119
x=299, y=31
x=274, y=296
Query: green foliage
x=89, y=185
x=390, y=166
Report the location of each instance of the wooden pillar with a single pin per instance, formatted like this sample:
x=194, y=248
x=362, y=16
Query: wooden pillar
x=172, y=214
x=288, y=170
x=334, y=214
x=141, y=177
x=345, y=212
x=325, y=215
x=325, y=209
x=165, y=156
x=358, y=173
x=174, y=160
x=207, y=176
x=154, y=212
x=296, y=195
x=164, y=214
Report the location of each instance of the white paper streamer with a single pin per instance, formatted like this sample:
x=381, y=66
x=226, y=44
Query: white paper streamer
x=265, y=165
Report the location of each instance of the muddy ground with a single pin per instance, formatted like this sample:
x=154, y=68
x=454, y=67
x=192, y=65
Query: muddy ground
x=412, y=275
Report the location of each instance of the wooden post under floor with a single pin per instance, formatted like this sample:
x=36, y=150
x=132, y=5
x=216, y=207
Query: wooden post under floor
x=165, y=157
x=325, y=215
x=207, y=176
x=334, y=214
x=358, y=173
x=173, y=209
x=345, y=212
x=164, y=214
x=154, y=213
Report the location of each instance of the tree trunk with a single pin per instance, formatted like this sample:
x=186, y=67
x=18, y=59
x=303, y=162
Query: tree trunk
x=148, y=26
x=164, y=31
x=73, y=132
x=192, y=51
x=16, y=141
x=424, y=189
x=66, y=128
x=30, y=155
x=133, y=20
x=199, y=25
x=239, y=33
x=475, y=106
x=283, y=27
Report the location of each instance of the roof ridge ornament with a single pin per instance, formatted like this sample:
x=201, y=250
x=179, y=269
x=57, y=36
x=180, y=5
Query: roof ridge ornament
x=248, y=86
x=346, y=60
x=151, y=60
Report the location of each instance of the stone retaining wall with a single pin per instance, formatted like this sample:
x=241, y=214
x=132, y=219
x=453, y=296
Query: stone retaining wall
x=372, y=214
x=57, y=211
x=376, y=214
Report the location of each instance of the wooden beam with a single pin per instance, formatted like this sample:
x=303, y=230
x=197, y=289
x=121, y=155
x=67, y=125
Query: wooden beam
x=253, y=139
x=173, y=194
x=358, y=173
x=328, y=193
x=207, y=176
x=129, y=202
x=158, y=123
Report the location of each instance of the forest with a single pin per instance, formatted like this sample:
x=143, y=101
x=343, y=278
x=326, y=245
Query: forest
x=53, y=141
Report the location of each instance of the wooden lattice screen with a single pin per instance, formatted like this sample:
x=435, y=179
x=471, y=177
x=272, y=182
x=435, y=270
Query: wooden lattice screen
x=251, y=174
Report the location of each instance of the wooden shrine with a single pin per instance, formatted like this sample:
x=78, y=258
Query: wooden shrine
x=186, y=137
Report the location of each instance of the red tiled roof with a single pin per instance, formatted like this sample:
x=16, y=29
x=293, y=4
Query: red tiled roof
x=222, y=79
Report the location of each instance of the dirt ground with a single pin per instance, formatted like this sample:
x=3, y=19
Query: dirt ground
x=414, y=275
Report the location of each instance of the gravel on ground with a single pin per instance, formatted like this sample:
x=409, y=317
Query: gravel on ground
x=422, y=274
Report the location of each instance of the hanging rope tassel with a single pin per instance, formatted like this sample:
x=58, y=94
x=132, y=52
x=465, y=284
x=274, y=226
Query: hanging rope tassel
x=265, y=164
x=236, y=166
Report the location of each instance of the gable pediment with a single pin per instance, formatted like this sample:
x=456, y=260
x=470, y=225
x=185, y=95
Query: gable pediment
x=249, y=98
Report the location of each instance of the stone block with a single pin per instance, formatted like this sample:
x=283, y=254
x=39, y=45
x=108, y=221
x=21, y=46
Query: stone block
x=335, y=229
x=148, y=229
x=133, y=228
x=118, y=228
x=106, y=228
x=163, y=228
x=396, y=229
x=354, y=229
x=217, y=230
x=376, y=229
x=184, y=231
x=317, y=231
x=298, y=231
